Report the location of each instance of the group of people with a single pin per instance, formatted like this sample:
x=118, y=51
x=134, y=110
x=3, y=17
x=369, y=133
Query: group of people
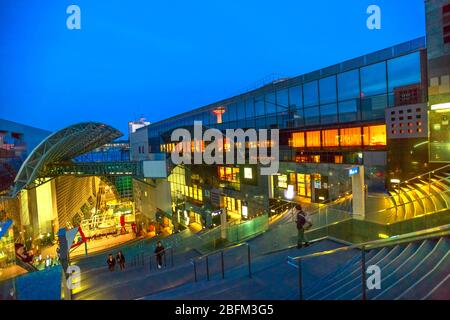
x=120, y=258
x=303, y=222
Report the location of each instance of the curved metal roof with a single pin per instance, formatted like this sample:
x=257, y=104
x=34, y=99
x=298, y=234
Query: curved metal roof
x=63, y=145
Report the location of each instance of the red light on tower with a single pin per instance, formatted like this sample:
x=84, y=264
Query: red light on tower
x=219, y=112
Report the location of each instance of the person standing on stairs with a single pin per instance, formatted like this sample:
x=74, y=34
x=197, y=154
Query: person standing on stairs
x=111, y=263
x=303, y=223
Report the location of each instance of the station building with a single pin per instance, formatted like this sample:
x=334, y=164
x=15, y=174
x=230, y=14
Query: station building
x=386, y=111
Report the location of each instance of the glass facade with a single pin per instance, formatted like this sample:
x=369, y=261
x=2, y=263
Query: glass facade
x=353, y=95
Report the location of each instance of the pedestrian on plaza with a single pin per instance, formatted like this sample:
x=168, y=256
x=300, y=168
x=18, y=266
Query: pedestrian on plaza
x=120, y=258
x=48, y=262
x=159, y=252
x=303, y=223
x=12, y=294
x=111, y=262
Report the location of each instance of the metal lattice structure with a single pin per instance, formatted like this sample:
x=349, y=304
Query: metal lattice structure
x=61, y=147
x=129, y=168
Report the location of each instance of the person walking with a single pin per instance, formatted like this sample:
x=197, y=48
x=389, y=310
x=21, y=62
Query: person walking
x=303, y=223
x=159, y=252
x=120, y=258
x=111, y=262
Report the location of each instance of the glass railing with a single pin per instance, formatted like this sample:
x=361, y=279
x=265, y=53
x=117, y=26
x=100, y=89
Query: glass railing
x=349, y=281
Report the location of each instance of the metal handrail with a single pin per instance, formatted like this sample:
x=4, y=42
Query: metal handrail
x=141, y=255
x=221, y=251
x=383, y=243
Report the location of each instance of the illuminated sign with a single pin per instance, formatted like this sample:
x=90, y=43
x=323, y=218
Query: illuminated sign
x=245, y=212
x=248, y=173
x=289, y=193
x=353, y=171
x=216, y=213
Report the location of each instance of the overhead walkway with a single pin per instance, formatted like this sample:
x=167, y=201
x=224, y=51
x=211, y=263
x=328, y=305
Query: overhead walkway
x=93, y=169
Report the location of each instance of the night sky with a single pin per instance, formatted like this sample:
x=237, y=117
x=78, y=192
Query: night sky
x=158, y=58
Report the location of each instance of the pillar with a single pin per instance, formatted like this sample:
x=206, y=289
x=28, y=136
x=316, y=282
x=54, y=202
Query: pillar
x=359, y=199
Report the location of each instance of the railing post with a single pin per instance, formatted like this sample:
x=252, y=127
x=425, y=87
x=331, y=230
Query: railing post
x=150, y=262
x=164, y=255
x=207, y=268
x=171, y=256
x=195, y=270
x=429, y=182
x=249, y=261
x=300, y=280
x=142, y=255
x=223, y=266
x=363, y=272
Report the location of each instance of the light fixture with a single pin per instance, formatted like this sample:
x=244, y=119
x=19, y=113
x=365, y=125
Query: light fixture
x=440, y=106
x=395, y=180
x=248, y=174
x=289, y=193
x=245, y=212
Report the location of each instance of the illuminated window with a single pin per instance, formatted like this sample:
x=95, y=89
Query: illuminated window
x=313, y=139
x=298, y=140
x=303, y=185
x=338, y=159
x=375, y=135
x=282, y=181
x=229, y=174
x=350, y=137
x=330, y=138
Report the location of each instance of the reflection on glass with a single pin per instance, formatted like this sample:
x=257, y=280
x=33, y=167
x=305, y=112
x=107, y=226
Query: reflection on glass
x=373, y=107
x=249, y=108
x=404, y=71
x=259, y=106
x=373, y=79
x=327, y=90
x=328, y=113
x=348, y=85
x=348, y=111
x=271, y=103
x=310, y=94
x=312, y=115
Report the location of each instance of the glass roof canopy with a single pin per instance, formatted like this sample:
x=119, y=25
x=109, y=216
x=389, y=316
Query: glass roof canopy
x=63, y=146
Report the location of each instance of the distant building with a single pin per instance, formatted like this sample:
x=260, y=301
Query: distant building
x=134, y=125
x=370, y=111
x=16, y=142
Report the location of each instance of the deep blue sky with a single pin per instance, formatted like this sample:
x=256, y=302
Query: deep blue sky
x=160, y=58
